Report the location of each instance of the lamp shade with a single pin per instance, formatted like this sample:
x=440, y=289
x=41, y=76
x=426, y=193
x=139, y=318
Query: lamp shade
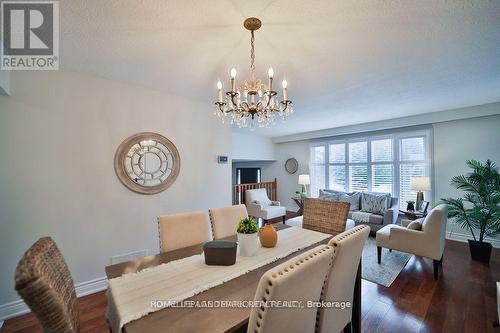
x=304, y=180
x=420, y=184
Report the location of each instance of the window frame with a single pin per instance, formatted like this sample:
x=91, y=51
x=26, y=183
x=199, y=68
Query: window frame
x=396, y=161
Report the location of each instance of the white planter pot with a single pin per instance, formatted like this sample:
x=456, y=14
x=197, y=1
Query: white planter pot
x=248, y=244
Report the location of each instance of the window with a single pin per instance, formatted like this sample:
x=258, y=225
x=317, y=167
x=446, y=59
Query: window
x=412, y=164
x=379, y=163
x=317, y=169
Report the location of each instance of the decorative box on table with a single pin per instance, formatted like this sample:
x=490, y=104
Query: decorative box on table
x=220, y=253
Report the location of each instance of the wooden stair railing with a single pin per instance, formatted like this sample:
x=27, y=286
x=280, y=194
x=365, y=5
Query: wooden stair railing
x=239, y=190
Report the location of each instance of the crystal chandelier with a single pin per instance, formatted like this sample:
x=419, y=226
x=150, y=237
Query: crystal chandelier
x=253, y=100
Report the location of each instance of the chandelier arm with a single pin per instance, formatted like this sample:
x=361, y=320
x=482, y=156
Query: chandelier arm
x=244, y=106
x=221, y=106
x=258, y=106
x=268, y=101
x=285, y=103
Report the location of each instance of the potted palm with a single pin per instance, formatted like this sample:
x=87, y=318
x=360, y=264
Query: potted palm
x=479, y=209
x=248, y=239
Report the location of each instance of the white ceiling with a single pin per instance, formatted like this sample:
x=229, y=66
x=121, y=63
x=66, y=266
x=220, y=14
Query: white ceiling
x=346, y=62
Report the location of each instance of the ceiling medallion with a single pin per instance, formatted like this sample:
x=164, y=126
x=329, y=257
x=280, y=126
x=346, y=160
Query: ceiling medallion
x=253, y=100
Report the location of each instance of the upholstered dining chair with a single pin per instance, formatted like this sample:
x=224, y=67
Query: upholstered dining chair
x=182, y=230
x=428, y=242
x=325, y=216
x=225, y=220
x=44, y=282
x=298, y=279
x=339, y=285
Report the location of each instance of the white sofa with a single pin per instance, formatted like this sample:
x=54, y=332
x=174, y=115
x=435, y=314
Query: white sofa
x=428, y=242
x=260, y=206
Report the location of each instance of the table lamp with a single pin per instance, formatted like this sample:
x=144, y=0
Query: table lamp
x=304, y=180
x=420, y=184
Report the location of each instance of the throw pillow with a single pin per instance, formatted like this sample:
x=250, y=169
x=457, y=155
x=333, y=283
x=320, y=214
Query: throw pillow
x=375, y=203
x=335, y=192
x=324, y=195
x=353, y=199
x=415, y=225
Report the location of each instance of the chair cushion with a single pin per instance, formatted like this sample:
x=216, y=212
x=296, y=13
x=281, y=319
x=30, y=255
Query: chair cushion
x=415, y=225
x=383, y=235
x=271, y=212
x=376, y=219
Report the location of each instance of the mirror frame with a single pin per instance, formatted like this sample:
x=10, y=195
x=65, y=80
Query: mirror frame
x=121, y=171
x=288, y=165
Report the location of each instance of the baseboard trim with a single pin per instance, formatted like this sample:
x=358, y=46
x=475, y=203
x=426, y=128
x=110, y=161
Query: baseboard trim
x=465, y=237
x=17, y=308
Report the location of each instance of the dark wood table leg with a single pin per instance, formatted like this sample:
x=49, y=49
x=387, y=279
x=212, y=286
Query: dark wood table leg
x=356, y=307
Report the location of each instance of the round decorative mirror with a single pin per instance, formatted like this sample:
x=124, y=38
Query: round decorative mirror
x=147, y=163
x=291, y=165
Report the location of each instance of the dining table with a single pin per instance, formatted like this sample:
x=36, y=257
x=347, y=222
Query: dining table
x=207, y=319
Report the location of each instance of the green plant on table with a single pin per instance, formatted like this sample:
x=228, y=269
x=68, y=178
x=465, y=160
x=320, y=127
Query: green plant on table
x=479, y=209
x=248, y=226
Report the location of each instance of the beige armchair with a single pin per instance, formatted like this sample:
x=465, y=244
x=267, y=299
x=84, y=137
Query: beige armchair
x=260, y=206
x=428, y=242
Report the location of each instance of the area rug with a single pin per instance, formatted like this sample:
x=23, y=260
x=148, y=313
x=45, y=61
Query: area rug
x=385, y=273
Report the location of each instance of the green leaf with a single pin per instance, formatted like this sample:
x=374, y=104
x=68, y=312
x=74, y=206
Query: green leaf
x=247, y=226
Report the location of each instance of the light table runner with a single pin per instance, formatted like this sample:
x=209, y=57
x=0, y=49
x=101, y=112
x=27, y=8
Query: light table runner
x=130, y=296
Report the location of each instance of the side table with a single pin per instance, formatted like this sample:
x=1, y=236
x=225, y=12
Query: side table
x=300, y=202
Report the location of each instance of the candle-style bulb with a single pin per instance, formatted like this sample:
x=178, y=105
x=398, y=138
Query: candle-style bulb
x=233, y=73
x=219, y=85
x=270, y=72
x=284, y=84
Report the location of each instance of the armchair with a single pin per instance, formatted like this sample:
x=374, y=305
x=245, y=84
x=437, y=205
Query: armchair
x=428, y=242
x=260, y=206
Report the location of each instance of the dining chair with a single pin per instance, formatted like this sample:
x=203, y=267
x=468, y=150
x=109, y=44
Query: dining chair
x=182, y=230
x=298, y=279
x=325, y=216
x=225, y=220
x=44, y=282
x=339, y=285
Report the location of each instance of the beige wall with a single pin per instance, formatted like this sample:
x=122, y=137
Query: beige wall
x=454, y=143
x=58, y=135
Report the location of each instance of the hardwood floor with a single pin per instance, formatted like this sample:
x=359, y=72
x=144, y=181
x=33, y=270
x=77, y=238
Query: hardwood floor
x=462, y=300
